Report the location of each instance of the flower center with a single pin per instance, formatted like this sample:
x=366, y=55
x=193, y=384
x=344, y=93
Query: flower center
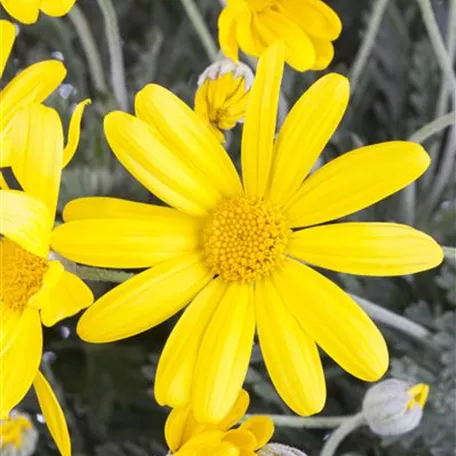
x=15, y=430
x=21, y=275
x=244, y=239
x=260, y=5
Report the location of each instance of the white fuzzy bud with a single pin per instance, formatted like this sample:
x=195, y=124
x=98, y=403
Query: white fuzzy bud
x=18, y=436
x=224, y=66
x=277, y=449
x=393, y=407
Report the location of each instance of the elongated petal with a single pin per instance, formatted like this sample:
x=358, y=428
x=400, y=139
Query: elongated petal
x=20, y=361
x=25, y=11
x=174, y=376
x=224, y=355
x=356, y=180
x=37, y=138
x=324, y=53
x=74, y=132
x=10, y=320
x=157, y=167
x=291, y=356
x=53, y=414
x=33, y=85
x=227, y=34
x=305, y=132
x=26, y=221
x=262, y=428
x=331, y=318
x=56, y=8
x=188, y=137
x=7, y=37
x=144, y=301
x=67, y=298
x=372, y=249
x=260, y=122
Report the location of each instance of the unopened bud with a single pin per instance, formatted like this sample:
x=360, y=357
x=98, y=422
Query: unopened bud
x=221, y=98
x=393, y=407
x=18, y=436
x=277, y=449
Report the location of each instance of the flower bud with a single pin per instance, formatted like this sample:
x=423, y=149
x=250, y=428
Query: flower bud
x=392, y=407
x=18, y=436
x=277, y=449
x=221, y=98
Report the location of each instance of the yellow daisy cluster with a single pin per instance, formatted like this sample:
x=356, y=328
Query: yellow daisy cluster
x=237, y=251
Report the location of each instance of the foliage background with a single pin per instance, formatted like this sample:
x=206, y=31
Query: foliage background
x=106, y=389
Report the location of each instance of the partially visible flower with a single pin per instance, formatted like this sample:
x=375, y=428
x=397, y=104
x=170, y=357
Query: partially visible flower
x=18, y=436
x=34, y=288
x=27, y=11
x=221, y=98
x=186, y=437
x=393, y=407
x=308, y=28
x=277, y=449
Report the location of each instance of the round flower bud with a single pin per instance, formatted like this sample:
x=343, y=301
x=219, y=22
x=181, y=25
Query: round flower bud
x=392, y=407
x=221, y=98
x=277, y=449
x=18, y=436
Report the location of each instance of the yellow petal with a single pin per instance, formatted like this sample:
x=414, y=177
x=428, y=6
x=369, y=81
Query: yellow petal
x=247, y=33
x=262, y=428
x=324, y=52
x=224, y=355
x=144, y=301
x=37, y=138
x=188, y=137
x=372, y=249
x=33, y=85
x=9, y=320
x=26, y=221
x=227, y=34
x=53, y=414
x=290, y=355
x=56, y=8
x=7, y=37
x=336, y=323
x=157, y=167
x=5, y=153
x=122, y=243
x=20, y=361
x=260, y=122
x=236, y=413
x=356, y=180
x=174, y=375
x=74, y=132
x=176, y=427
x=25, y=11
x=305, y=132
x=241, y=438
x=67, y=298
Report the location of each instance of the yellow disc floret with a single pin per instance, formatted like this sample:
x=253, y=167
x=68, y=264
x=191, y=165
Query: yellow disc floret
x=18, y=435
x=244, y=239
x=21, y=275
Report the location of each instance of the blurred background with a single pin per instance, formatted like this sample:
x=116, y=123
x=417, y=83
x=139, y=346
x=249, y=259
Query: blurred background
x=106, y=390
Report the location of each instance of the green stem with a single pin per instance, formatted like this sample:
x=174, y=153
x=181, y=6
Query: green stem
x=367, y=43
x=449, y=252
x=102, y=275
x=299, y=422
x=90, y=49
x=115, y=52
x=433, y=127
x=201, y=29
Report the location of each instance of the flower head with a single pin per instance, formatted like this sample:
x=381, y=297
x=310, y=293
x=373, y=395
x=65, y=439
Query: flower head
x=27, y=11
x=307, y=27
x=18, y=436
x=187, y=437
x=277, y=449
x=221, y=98
x=240, y=254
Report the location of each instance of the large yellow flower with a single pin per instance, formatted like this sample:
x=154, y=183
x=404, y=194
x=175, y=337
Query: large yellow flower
x=34, y=288
x=307, y=27
x=238, y=252
x=185, y=436
x=27, y=11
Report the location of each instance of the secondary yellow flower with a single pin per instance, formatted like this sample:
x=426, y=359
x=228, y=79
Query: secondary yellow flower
x=18, y=435
x=34, y=288
x=307, y=27
x=222, y=95
x=185, y=436
x=27, y=11
x=237, y=252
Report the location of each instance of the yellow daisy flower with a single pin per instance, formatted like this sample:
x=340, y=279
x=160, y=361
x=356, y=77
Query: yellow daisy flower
x=27, y=11
x=307, y=27
x=34, y=287
x=239, y=252
x=185, y=436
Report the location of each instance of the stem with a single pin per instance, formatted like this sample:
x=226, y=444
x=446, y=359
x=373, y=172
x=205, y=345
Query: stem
x=201, y=29
x=437, y=42
x=389, y=318
x=102, y=275
x=115, y=52
x=433, y=127
x=319, y=422
x=367, y=43
x=449, y=252
x=90, y=49
x=340, y=433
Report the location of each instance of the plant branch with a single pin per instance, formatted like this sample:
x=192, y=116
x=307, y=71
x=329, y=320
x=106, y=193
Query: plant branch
x=299, y=422
x=102, y=275
x=433, y=127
